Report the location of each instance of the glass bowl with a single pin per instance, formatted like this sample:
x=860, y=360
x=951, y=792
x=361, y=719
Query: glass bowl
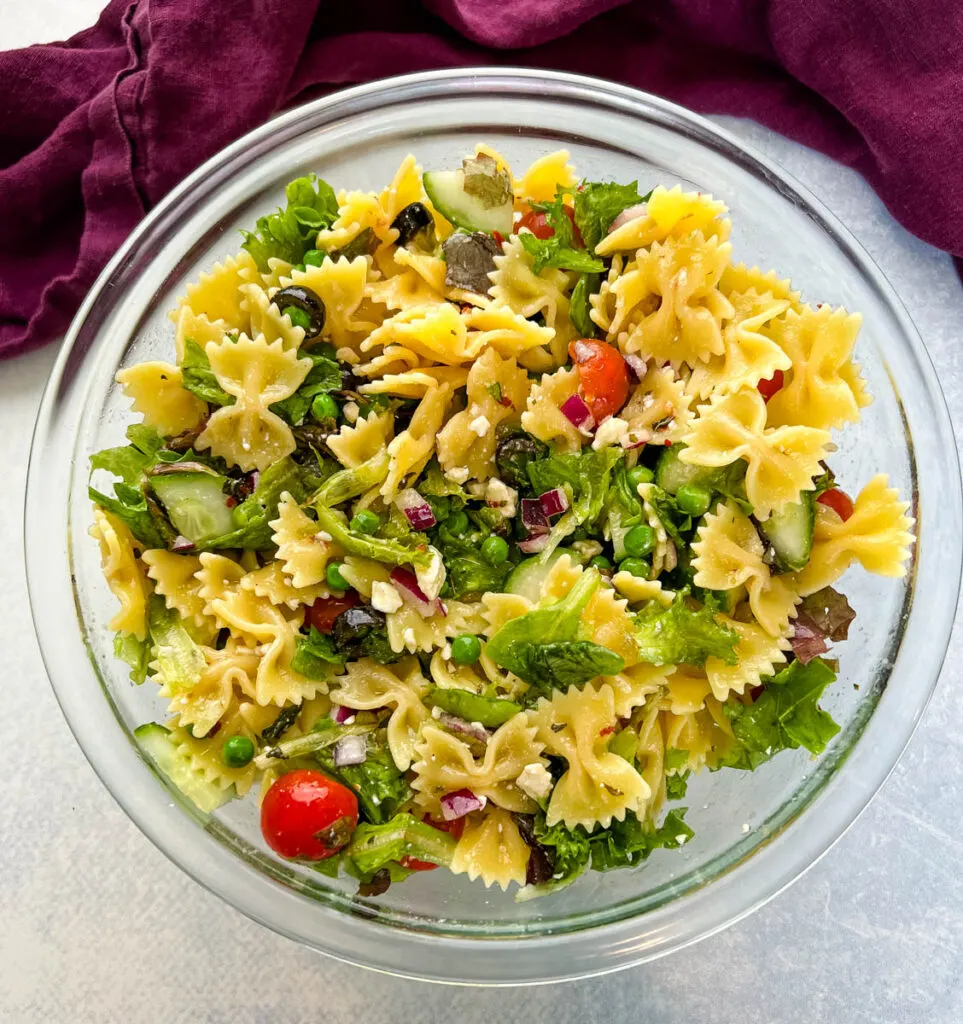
x=754, y=833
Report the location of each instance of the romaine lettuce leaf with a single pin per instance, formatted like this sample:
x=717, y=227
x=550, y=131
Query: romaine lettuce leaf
x=683, y=635
x=137, y=654
x=374, y=847
x=315, y=655
x=323, y=377
x=178, y=659
x=198, y=377
x=560, y=250
x=580, y=307
x=291, y=232
x=598, y=203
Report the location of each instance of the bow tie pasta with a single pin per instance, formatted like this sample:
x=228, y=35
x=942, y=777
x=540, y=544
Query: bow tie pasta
x=472, y=515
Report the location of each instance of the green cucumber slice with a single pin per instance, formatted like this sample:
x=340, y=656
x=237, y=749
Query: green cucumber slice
x=527, y=577
x=790, y=532
x=671, y=472
x=156, y=742
x=446, y=190
x=196, y=504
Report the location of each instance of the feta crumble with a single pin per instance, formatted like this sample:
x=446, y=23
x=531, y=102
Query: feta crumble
x=384, y=597
x=409, y=638
x=480, y=425
x=535, y=781
x=351, y=411
x=459, y=474
x=611, y=431
x=432, y=579
x=323, y=536
x=499, y=495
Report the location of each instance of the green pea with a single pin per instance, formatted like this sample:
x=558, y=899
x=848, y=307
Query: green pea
x=314, y=258
x=625, y=743
x=636, y=566
x=495, y=550
x=600, y=562
x=693, y=499
x=333, y=575
x=237, y=751
x=640, y=475
x=365, y=521
x=457, y=522
x=324, y=407
x=465, y=649
x=297, y=316
x=639, y=541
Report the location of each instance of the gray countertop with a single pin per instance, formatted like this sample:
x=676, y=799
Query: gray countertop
x=96, y=925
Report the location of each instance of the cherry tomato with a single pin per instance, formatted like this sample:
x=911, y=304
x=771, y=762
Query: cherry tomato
x=839, y=501
x=325, y=610
x=603, y=375
x=413, y=864
x=305, y=814
x=767, y=388
x=538, y=223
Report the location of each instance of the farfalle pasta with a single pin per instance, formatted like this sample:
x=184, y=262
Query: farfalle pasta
x=480, y=510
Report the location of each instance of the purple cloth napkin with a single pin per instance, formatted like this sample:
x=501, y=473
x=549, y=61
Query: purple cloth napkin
x=96, y=130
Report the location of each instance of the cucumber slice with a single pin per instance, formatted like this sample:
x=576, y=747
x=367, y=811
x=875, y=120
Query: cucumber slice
x=195, y=503
x=156, y=742
x=790, y=533
x=671, y=472
x=446, y=190
x=527, y=577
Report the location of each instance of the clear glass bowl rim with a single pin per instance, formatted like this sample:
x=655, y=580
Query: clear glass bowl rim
x=703, y=911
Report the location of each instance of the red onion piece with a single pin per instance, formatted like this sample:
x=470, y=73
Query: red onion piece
x=254, y=478
x=350, y=750
x=459, y=725
x=457, y=805
x=182, y=544
x=406, y=581
x=534, y=518
x=582, y=351
x=553, y=502
x=341, y=713
x=416, y=509
x=532, y=545
x=636, y=364
x=808, y=641
x=632, y=213
x=578, y=413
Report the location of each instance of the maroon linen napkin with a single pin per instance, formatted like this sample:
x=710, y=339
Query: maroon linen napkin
x=94, y=131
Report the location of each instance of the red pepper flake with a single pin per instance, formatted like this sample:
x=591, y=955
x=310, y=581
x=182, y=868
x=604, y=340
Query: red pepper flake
x=507, y=402
x=607, y=731
x=230, y=502
x=499, y=237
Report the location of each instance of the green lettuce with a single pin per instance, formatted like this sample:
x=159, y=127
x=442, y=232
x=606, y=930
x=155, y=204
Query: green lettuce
x=198, y=377
x=560, y=250
x=598, y=203
x=179, y=660
x=580, y=306
x=374, y=847
x=468, y=572
x=323, y=378
x=137, y=654
x=683, y=635
x=542, y=646
x=315, y=655
x=292, y=231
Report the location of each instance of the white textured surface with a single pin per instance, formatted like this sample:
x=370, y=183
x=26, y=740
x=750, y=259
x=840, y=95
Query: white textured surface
x=95, y=925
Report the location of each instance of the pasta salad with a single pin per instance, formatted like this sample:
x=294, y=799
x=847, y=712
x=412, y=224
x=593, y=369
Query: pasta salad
x=470, y=517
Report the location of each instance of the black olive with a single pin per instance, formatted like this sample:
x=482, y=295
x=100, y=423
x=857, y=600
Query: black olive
x=412, y=220
x=355, y=624
x=513, y=455
x=305, y=300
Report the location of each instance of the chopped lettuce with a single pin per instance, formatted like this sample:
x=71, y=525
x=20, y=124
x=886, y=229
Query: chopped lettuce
x=830, y=613
x=678, y=524
x=677, y=777
x=130, y=506
x=291, y=232
x=178, y=659
x=543, y=649
x=580, y=307
x=560, y=250
x=323, y=378
x=598, y=203
x=316, y=656
x=374, y=847
x=785, y=716
x=682, y=634
x=468, y=572
x=137, y=654
x=198, y=377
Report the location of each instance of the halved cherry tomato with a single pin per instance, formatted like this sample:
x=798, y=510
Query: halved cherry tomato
x=325, y=610
x=305, y=814
x=839, y=501
x=538, y=223
x=603, y=376
x=454, y=828
x=767, y=388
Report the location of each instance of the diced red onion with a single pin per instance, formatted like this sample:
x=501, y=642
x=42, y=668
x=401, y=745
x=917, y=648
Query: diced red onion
x=553, y=502
x=582, y=351
x=341, y=713
x=534, y=518
x=632, y=213
x=578, y=413
x=182, y=544
x=254, y=478
x=350, y=750
x=636, y=364
x=532, y=545
x=406, y=581
x=808, y=641
x=457, y=805
x=459, y=725
x=416, y=509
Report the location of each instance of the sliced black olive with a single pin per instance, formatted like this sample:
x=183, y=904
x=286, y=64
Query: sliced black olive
x=363, y=244
x=470, y=259
x=411, y=222
x=355, y=624
x=513, y=455
x=307, y=302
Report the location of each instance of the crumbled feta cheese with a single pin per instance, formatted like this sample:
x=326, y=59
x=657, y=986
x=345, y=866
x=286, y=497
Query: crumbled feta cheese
x=745, y=828
x=351, y=411
x=436, y=712
x=499, y=495
x=535, y=781
x=409, y=638
x=459, y=474
x=446, y=651
x=324, y=537
x=349, y=720
x=432, y=579
x=384, y=597
x=610, y=431
x=586, y=549
x=480, y=425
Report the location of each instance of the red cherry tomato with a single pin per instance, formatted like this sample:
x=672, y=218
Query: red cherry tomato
x=305, y=814
x=839, y=501
x=325, y=610
x=767, y=388
x=538, y=223
x=603, y=376
x=413, y=864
